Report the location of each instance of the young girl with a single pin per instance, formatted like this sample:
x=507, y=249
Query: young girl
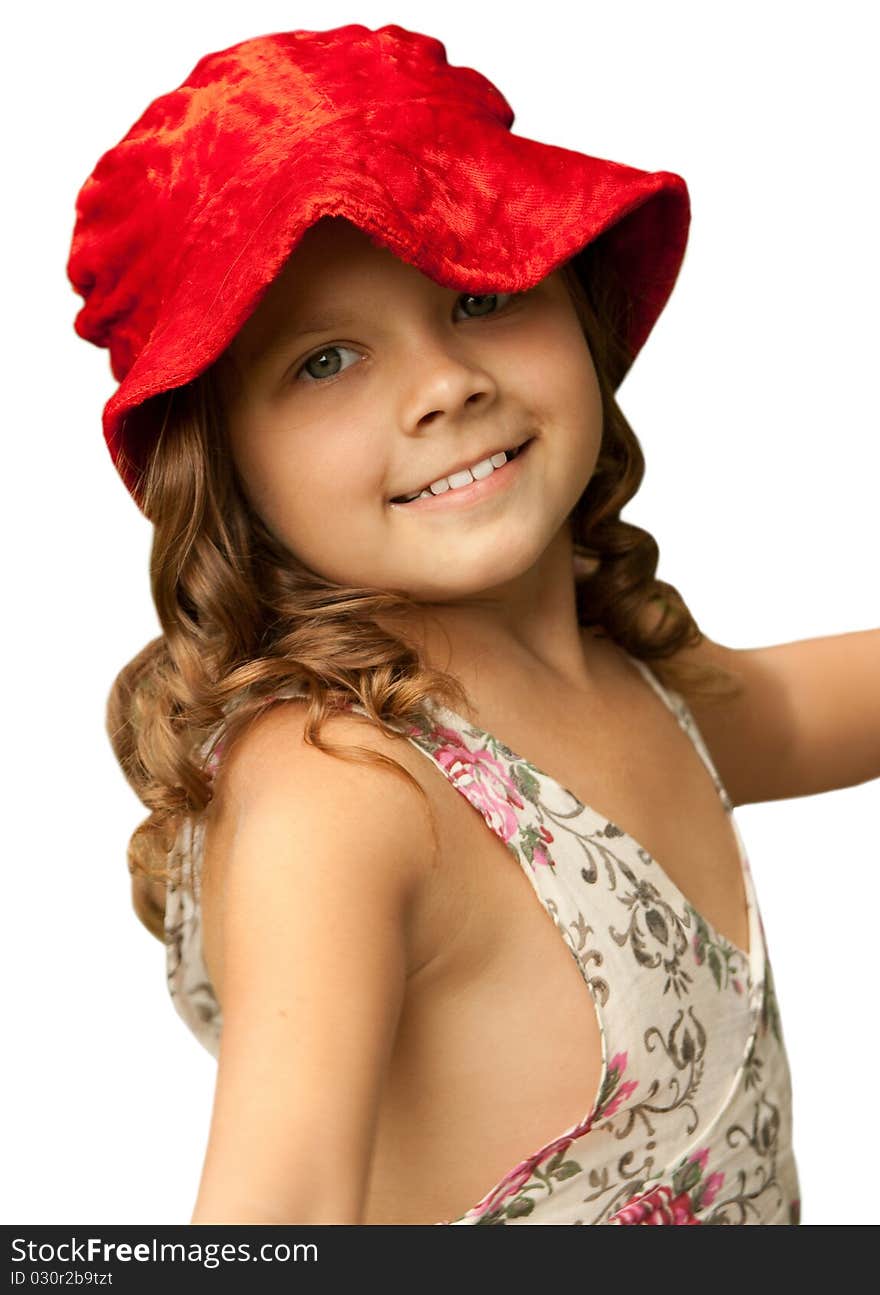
x=418, y=688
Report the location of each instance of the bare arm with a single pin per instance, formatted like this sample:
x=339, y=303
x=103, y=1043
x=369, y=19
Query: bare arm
x=312, y=898
x=808, y=720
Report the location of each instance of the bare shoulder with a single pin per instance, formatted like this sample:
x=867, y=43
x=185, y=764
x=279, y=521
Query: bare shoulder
x=278, y=796
x=276, y=741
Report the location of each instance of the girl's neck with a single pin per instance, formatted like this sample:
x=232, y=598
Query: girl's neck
x=525, y=636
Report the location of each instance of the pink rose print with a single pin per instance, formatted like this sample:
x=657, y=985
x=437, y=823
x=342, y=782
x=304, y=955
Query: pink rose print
x=656, y=1208
x=482, y=780
x=509, y=1186
x=676, y=1204
x=511, y=1183
x=690, y=1178
x=711, y=1187
x=613, y=1096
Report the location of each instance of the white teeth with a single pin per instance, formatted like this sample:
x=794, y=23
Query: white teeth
x=478, y=472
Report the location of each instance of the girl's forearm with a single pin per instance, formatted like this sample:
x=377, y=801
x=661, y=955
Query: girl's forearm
x=833, y=691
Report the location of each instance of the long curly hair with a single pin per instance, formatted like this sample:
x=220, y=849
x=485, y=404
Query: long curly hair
x=243, y=620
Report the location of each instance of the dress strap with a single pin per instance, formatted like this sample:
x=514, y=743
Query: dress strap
x=682, y=712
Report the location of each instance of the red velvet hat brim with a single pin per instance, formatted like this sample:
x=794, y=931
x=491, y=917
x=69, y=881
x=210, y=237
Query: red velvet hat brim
x=485, y=210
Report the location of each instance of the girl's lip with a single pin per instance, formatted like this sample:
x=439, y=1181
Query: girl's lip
x=477, y=491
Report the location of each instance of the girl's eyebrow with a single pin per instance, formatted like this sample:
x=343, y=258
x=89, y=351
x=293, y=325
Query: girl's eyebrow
x=320, y=324
x=305, y=327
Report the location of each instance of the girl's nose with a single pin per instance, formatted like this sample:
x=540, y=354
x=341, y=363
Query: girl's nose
x=445, y=379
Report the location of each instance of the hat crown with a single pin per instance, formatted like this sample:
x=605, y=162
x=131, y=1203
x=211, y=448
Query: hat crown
x=236, y=120
x=184, y=224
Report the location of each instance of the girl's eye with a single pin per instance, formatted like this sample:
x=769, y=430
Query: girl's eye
x=319, y=360
x=316, y=367
x=486, y=298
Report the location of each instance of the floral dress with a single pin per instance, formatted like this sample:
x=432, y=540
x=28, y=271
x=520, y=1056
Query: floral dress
x=691, y=1122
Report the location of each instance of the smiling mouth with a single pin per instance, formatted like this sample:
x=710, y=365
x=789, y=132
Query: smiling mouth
x=427, y=492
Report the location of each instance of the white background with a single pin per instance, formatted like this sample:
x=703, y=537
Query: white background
x=755, y=401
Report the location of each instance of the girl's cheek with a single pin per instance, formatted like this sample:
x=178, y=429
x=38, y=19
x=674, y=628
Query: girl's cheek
x=367, y=477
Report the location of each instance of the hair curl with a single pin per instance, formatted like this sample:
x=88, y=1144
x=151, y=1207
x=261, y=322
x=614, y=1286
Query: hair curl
x=243, y=619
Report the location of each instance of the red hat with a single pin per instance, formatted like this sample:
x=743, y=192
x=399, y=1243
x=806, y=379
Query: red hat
x=183, y=225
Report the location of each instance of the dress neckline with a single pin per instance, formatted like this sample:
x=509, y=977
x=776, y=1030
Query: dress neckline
x=754, y=959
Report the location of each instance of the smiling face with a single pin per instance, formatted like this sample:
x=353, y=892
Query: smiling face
x=398, y=382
